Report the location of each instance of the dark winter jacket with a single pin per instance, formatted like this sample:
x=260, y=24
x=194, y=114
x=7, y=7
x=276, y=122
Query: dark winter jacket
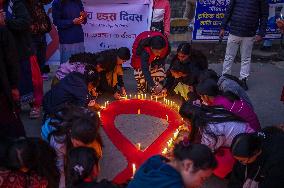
x=70, y=90
x=270, y=165
x=95, y=184
x=63, y=14
x=18, y=22
x=245, y=17
x=156, y=173
x=9, y=64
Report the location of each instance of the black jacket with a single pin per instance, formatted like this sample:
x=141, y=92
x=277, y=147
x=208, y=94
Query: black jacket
x=19, y=25
x=9, y=65
x=270, y=165
x=245, y=17
x=102, y=184
x=72, y=89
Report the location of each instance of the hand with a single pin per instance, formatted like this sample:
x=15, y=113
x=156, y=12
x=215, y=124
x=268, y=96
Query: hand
x=78, y=21
x=222, y=33
x=157, y=89
x=123, y=91
x=117, y=96
x=164, y=92
x=258, y=38
x=15, y=94
x=84, y=14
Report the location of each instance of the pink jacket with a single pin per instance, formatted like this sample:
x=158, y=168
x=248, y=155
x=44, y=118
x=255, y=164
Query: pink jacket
x=162, y=12
x=239, y=108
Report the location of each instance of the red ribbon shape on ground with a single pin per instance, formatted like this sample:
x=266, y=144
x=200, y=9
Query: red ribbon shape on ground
x=131, y=153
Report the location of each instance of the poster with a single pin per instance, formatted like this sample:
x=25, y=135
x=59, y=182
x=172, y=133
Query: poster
x=210, y=13
x=110, y=25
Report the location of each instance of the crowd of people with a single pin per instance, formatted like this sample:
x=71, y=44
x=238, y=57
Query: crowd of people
x=225, y=139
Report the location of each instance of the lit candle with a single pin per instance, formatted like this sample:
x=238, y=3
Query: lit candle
x=164, y=99
x=165, y=151
x=167, y=117
x=145, y=96
x=138, y=111
x=171, y=103
x=133, y=169
x=105, y=104
x=151, y=97
x=126, y=97
x=156, y=99
x=138, y=96
x=99, y=114
x=130, y=96
x=176, y=134
x=138, y=145
x=135, y=97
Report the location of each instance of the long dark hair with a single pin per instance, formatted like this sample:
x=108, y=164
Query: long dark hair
x=199, y=154
x=37, y=156
x=201, y=116
x=80, y=166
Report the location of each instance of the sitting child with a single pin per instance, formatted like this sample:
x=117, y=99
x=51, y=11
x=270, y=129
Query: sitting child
x=83, y=170
x=191, y=166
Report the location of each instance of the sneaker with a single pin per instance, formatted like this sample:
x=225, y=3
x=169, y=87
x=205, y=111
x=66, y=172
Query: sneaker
x=44, y=76
x=35, y=113
x=244, y=84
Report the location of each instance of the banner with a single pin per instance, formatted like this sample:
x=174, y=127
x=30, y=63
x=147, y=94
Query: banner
x=210, y=14
x=112, y=25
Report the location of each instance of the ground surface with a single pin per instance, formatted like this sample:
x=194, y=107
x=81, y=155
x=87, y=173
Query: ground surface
x=265, y=86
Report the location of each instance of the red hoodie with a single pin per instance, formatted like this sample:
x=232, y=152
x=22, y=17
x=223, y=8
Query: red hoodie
x=162, y=12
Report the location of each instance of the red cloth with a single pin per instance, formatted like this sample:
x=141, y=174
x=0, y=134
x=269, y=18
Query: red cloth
x=135, y=59
x=225, y=161
x=129, y=150
x=9, y=179
x=37, y=81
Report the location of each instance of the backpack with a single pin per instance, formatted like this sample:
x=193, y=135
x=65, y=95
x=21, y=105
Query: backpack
x=41, y=23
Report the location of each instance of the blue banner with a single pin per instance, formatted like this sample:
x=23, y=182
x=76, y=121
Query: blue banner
x=210, y=14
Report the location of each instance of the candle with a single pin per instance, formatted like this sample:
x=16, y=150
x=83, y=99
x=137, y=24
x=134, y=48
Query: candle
x=164, y=99
x=167, y=117
x=165, y=151
x=138, y=145
x=138, y=111
x=133, y=169
x=171, y=103
x=126, y=97
x=130, y=96
x=105, y=104
x=145, y=96
x=99, y=114
x=156, y=99
x=138, y=96
x=176, y=134
x=135, y=97
x=151, y=97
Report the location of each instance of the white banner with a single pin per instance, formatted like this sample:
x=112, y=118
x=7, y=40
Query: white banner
x=114, y=25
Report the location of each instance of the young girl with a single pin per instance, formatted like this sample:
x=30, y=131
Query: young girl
x=210, y=95
x=68, y=16
x=191, y=166
x=74, y=128
x=149, y=52
x=260, y=159
x=31, y=162
x=83, y=169
x=216, y=128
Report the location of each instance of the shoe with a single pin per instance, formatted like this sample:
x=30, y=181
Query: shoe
x=35, y=113
x=244, y=84
x=44, y=76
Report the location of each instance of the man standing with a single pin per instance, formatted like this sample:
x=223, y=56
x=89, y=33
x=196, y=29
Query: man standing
x=247, y=21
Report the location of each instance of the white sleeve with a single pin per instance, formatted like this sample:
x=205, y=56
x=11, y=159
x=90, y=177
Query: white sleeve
x=209, y=141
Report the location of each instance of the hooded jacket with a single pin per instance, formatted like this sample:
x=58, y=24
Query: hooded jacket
x=156, y=173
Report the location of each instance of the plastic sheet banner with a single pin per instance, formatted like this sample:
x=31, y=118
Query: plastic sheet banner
x=110, y=24
x=210, y=14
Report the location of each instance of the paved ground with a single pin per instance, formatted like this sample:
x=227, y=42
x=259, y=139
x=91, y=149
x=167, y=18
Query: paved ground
x=265, y=86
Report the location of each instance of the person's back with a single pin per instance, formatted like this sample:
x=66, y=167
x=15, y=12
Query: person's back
x=239, y=108
x=155, y=172
x=70, y=90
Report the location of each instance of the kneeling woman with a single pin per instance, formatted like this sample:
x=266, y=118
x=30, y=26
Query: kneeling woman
x=260, y=159
x=191, y=166
x=149, y=52
x=216, y=128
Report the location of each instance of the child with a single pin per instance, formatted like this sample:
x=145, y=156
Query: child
x=77, y=127
x=83, y=169
x=31, y=163
x=260, y=159
x=149, y=52
x=216, y=128
x=210, y=95
x=75, y=88
x=191, y=166
x=181, y=79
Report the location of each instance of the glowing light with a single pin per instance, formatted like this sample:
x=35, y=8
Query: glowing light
x=167, y=117
x=165, y=150
x=138, y=111
x=99, y=114
x=156, y=99
x=138, y=145
x=133, y=169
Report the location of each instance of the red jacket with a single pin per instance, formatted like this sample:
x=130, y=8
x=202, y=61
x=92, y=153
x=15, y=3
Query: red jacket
x=162, y=12
x=136, y=60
